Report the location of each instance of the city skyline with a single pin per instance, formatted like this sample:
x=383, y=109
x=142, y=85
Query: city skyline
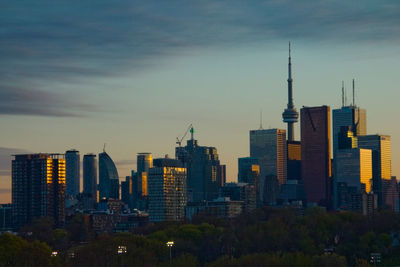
x=82, y=95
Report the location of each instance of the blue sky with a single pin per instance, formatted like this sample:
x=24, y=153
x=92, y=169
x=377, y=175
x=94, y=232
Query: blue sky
x=135, y=74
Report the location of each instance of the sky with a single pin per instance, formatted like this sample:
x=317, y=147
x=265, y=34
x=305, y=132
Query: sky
x=134, y=74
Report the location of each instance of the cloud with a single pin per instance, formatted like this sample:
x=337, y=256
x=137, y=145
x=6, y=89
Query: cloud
x=125, y=162
x=24, y=101
x=51, y=49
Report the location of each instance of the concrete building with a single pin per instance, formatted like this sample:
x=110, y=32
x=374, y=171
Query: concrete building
x=72, y=173
x=108, y=177
x=315, y=154
x=89, y=180
x=38, y=188
x=167, y=192
x=269, y=146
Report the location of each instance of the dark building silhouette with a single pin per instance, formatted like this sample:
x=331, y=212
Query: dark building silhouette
x=205, y=174
x=72, y=173
x=108, y=177
x=38, y=188
x=241, y=192
x=126, y=191
x=315, y=154
x=90, y=180
x=245, y=169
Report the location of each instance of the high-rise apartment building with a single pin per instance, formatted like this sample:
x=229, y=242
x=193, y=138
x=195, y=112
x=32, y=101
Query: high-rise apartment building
x=90, y=180
x=38, y=188
x=72, y=173
x=269, y=147
x=167, y=191
x=348, y=116
x=205, y=174
x=381, y=161
x=315, y=154
x=108, y=177
x=140, y=180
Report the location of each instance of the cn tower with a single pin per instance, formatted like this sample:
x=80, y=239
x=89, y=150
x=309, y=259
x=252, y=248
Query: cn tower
x=290, y=114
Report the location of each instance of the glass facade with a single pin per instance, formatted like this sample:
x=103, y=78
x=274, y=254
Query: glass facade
x=108, y=177
x=167, y=193
x=269, y=147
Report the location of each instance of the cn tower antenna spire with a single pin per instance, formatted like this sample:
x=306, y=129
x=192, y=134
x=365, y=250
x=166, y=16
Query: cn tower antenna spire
x=290, y=114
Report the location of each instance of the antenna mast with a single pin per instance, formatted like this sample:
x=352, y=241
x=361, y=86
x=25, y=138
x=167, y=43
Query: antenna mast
x=342, y=93
x=261, y=120
x=354, y=102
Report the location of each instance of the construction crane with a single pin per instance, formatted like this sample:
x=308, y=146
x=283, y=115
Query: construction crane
x=179, y=140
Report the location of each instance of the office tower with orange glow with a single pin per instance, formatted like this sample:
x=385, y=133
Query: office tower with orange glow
x=353, y=177
x=315, y=154
x=108, y=177
x=269, y=147
x=167, y=190
x=90, y=180
x=72, y=174
x=381, y=162
x=38, y=188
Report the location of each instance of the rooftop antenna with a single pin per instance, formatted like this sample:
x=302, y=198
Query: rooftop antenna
x=261, y=119
x=345, y=97
x=104, y=148
x=354, y=102
x=342, y=93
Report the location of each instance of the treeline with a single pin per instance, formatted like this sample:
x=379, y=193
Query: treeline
x=266, y=237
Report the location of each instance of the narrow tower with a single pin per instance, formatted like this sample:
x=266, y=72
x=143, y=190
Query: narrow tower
x=290, y=114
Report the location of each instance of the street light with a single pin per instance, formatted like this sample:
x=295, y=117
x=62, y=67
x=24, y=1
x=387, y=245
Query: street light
x=54, y=253
x=121, y=250
x=170, y=244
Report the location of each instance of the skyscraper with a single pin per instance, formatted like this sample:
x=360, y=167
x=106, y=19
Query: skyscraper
x=167, y=191
x=348, y=116
x=353, y=176
x=269, y=146
x=381, y=161
x=90, y=180
x=108, y=177
x=205, y=174
x=72, y=173
x=290, y=114
x=315, y=154
x=38, y=188
x=144, y=163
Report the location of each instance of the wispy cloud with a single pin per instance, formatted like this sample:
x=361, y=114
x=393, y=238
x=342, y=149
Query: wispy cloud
x=44, y=43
